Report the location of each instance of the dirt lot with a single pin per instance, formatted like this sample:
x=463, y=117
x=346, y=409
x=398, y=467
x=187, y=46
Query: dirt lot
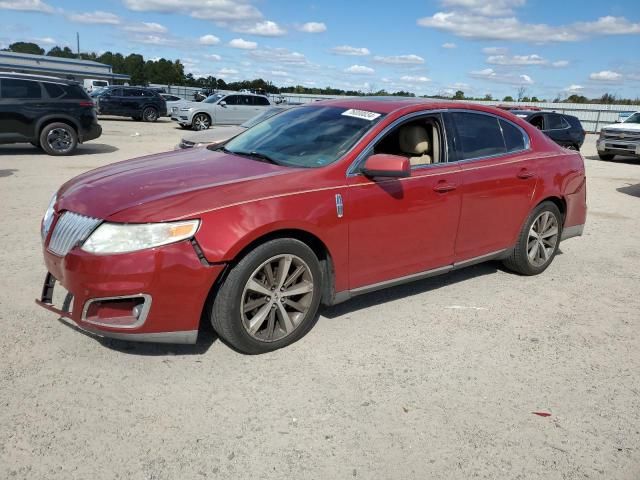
x=437, y=379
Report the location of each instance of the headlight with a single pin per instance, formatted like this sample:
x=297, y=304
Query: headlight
x=47, y=220
x=122, y=238
x=602, y=133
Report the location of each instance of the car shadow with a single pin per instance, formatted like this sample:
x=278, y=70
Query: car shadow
x=206, y=338
x=8, y=172
x=633, y=190
x=616, y=159
x=410, y=289
x=131, y=120
x=83, y=149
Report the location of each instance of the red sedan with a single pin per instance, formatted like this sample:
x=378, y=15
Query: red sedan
x=314, y=205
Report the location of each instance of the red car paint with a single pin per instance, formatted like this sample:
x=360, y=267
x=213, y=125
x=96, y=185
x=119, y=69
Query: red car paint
x=391, y=228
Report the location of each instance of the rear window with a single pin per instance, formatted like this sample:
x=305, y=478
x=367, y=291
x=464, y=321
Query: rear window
x=479, y=135
x=513, y=136
x=556, y=122
x=23, y=89
x=260, y=101
x=67, y=92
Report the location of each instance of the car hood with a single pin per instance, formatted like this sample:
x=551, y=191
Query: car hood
x=635, y=127
x=217, y=133
x=171, y=185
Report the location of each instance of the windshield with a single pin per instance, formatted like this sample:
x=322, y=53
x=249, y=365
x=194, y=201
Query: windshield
x=635, y=118
x=213, y=98
x=269, y=112
x=307, y=137
x=98, y=91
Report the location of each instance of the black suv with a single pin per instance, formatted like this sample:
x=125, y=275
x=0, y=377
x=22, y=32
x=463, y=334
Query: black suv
x=48, y=112
x=565, y=130
x=139, y=103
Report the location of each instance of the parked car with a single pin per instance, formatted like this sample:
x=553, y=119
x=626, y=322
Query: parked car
x=220, y=109
x=139, y=103
x=314, y=205
x=91, y=84
x=48, y=112
x=620, y=139
x=565, y=130
x=222, y=133
x=173, y=102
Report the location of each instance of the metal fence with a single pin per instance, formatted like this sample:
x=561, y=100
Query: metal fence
x=593, y=116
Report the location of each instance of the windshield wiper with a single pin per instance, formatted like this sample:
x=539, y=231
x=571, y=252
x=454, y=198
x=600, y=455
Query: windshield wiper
x=257, y=155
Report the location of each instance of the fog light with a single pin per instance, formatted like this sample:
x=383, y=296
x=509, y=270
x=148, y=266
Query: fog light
x=117, y=312
x=137, y=311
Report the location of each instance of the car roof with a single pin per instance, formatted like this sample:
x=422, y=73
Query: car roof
x=389, y=104
x=37, y=78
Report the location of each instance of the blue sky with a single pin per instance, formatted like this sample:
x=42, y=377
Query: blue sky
x=479, y=46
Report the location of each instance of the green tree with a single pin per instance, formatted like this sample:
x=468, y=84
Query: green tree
x=535, y=99
x=459, y=95
x=26, y=47
x=65, y=52
x=508, y=98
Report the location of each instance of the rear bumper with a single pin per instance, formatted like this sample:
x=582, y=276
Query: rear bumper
x=91, y=134
x=170, y=283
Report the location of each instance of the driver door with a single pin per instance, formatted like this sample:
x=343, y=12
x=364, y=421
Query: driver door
x=403, y=226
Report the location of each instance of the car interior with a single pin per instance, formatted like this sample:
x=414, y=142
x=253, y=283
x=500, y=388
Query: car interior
x=537, y=122
x=418, y=140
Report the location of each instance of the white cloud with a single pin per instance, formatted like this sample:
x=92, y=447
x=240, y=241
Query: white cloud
x=495, y=50
x=279, y=73
x=279, y=56
x=228, y=71
x=264, y=29
x=360, y=70
x=491, y=75
x=574, y=88
x=216, y=10
x=46, y=40
x=471, y=24
x=606, y=76
x=400, y=59
x=242, y=44
x=484, y=7
x=154, y=39
x=449, y=45
x=516, y=60
x=350, y=51
x=98, y=17
x=214, y=57
x=26, y=6
x=412, y=79
x=208, y=40
x=146, y=27
x=313, y=27
x=560, y=63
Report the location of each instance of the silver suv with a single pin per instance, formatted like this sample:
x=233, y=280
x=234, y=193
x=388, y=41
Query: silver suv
x=220, y=109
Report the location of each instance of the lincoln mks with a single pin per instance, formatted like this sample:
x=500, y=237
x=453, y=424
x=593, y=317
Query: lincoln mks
x=312, y=206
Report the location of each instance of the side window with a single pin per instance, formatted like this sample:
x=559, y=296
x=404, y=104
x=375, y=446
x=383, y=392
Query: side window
x=261, y=101
x=53, y=90
x=421, y=140
x=116, y=92
x=23, y=89
x=513, y=136
x=478, y=136
x=246, y=99
x=555, y=122
x=231, y=99
x=133, y=92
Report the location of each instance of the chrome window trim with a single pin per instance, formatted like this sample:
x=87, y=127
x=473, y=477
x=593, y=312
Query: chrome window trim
x=146, y=306
x=352, y=171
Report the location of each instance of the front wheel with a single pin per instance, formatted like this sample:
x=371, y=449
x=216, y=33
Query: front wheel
x=201, y=121
x=538, y=241
x=270, y=299
x=607, y=157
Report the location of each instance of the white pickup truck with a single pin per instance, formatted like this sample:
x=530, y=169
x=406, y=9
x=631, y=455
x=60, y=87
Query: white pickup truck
x=620, y=138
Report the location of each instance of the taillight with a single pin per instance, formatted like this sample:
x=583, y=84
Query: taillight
x=86, y=103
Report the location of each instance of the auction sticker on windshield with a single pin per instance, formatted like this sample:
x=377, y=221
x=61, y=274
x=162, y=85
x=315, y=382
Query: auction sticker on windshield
x=365, y=115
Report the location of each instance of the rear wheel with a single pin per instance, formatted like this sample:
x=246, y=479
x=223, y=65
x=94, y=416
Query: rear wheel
x=607, y=157
x=538, y=241
x=270, y=299
x=58, y=139
x=150, y=114
x=201, y=121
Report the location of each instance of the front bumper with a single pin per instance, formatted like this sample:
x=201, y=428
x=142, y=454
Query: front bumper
x=618, y=147
x=171, y=283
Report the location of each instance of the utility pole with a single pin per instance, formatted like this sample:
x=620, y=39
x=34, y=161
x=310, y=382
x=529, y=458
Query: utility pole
x=78, y=42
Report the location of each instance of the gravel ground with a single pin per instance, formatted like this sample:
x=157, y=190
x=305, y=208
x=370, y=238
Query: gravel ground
x=436, y=379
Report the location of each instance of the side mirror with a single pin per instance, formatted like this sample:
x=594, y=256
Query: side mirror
x=222, y=103
x=620, y=120
x=385, y=165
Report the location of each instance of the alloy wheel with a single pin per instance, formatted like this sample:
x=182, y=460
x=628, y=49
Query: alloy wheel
x=277, y=297
x=201, y=122
x=150, y=115
x=542, y=239
x=60, y=140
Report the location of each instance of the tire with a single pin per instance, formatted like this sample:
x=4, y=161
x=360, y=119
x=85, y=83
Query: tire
x=607, y=157
x=149, y=114
x=201, y=121
x=521, y=260
x=572, y=147
x=58, y=139
x=137, y=118
x=264, y=328
x=36, y=144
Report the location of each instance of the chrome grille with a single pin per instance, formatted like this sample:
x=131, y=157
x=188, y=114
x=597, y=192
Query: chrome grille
x=626, y=135
x=70, y=230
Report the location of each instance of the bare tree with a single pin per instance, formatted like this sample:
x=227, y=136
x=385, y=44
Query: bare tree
x=521, y=92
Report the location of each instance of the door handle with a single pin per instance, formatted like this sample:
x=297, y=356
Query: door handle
x=443, y=187
x=524, y=174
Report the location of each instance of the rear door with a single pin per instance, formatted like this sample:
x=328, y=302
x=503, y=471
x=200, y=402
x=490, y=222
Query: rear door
x=110, y=102
x=21, y=103
x=247, y=108
x=498, y=180
x=557, y=128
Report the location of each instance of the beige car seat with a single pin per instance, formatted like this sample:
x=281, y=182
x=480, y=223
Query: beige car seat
x=414, y=140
